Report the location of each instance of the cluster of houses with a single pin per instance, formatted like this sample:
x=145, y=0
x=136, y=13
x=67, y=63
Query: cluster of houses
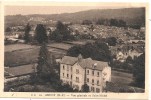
x=90, y=31
x=101, y=31
x=129, y=49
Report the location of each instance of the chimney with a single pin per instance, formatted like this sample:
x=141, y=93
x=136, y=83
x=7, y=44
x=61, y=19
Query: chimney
x=80, y=57
x=94, y=65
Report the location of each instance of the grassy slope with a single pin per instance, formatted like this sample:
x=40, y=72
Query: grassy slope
x=121, y=77
x=21, y=57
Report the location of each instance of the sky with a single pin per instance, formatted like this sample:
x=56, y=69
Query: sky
x=26, y=10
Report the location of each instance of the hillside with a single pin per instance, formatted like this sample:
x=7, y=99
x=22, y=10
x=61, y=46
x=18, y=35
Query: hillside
x=130, y=15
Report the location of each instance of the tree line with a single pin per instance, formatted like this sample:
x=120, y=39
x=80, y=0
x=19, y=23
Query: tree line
x=41, y=34
x=111, y=22
x=106, y=22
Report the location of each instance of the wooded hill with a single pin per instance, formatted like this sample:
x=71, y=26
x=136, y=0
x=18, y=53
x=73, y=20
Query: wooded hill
x=130, y=15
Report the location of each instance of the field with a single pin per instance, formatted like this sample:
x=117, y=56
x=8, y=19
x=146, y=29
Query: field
x=80, y=42
x=121, y=77
x=21, y=54
x=62, y=46
x=21, y=70
x=14, y=47
x=21, y=57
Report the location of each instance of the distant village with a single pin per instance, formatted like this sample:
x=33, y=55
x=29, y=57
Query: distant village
x=130, y=42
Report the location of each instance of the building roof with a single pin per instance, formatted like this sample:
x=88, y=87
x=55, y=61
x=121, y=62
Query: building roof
x=69, y=60
x=85, y=63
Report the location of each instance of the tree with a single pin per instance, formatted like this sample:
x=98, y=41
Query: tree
x=121, y=23
x=66, y=88
x=100, y=22
x=102, y=51
x=8, y=29
x=41, y=35
x=74, y=51
x=26, y=36
x=97, y=51
x=61, y=33
x=111, y=41
x=139, y=71
x=113, y=22
x=43, y=67
x=85, y=88
x=129, y=60
x=86, y=22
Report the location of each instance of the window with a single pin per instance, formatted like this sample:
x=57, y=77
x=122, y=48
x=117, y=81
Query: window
x=77, y=79
x=97, y=90
x=87, y=79
x=93, y=72
x=77, y=71
x=67, y=68
x=97, y=82
x=92, y=89
x=71, y=76
x=98, y=74
x=92, y=81
x=63, y=74
x=71, y=69
x=67, y=75
x=88, y=72
x=63, y=67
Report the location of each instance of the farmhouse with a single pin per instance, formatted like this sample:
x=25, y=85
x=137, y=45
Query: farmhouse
x=77, y=71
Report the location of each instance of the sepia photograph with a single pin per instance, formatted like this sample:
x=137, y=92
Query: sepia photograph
x=74, y=49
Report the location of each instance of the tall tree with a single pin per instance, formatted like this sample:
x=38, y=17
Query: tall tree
x=61, y=33
x=43, y=67
x=139, y=71
x=41, y=35
x=27, y=30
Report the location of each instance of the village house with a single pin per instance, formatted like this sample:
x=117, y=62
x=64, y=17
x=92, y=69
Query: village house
x=122, y=55
x=77, y=71
x=121, y=52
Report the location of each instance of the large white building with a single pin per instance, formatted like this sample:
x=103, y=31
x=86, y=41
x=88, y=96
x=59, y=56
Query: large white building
x=77, y=71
